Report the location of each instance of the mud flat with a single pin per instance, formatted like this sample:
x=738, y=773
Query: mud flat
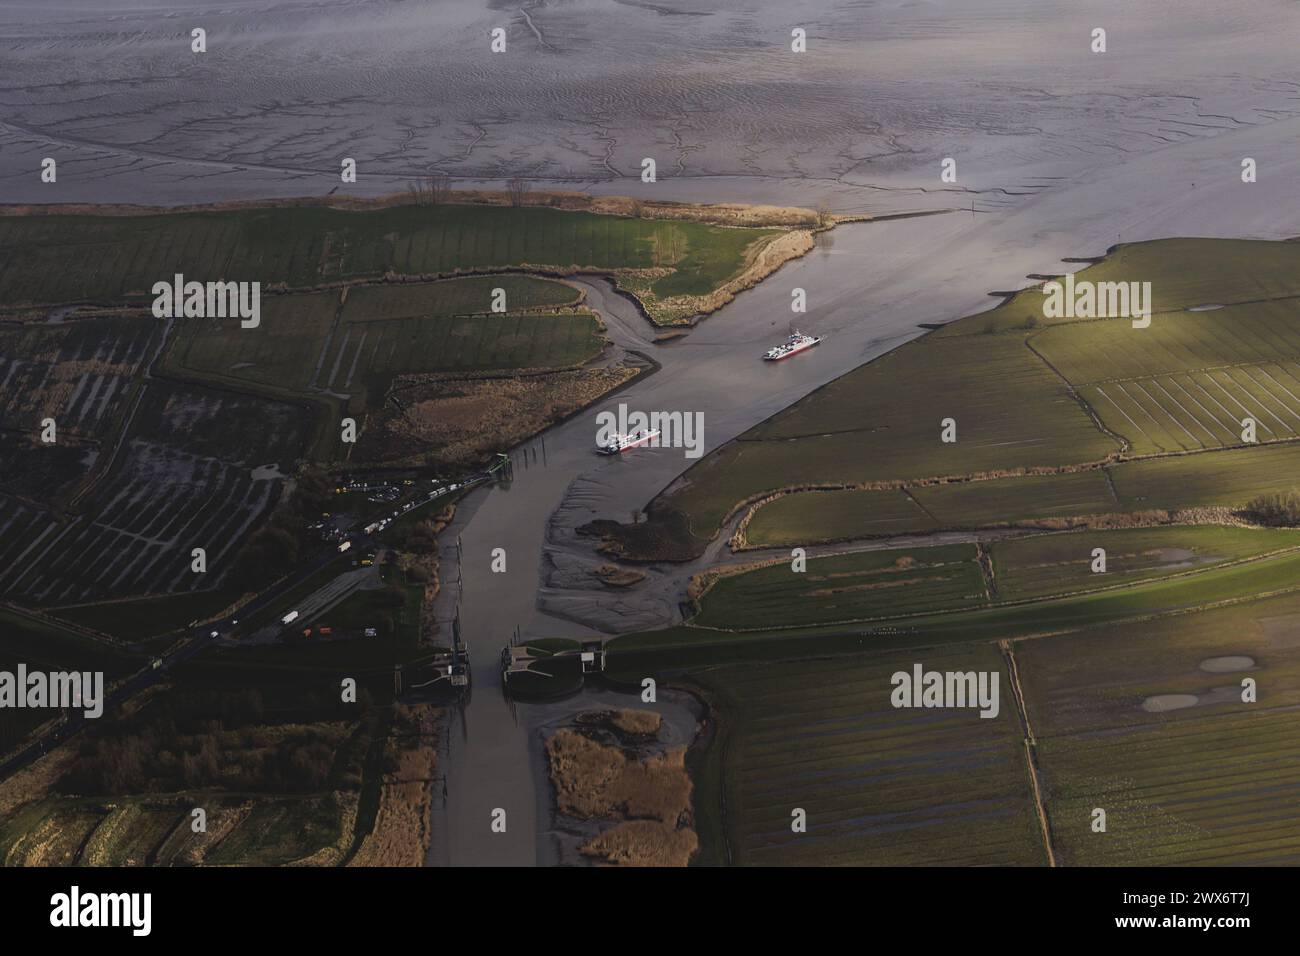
x=714, y=94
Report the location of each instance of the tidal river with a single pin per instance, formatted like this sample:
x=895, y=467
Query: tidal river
x=869, y=287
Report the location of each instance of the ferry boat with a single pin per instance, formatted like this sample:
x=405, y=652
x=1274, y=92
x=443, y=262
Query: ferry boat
x=797, y=342
x=621, y=443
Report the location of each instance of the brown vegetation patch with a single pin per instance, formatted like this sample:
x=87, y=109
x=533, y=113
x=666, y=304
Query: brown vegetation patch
x=648, y=793
x=643, y=843
x=222, y=821
x=615, y=577
x=593, y=780
x=33, y=782
x=637, y=722
x=459, y=422
x=402, y=829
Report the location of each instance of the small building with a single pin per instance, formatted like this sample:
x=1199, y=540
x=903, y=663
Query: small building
x=593, y=657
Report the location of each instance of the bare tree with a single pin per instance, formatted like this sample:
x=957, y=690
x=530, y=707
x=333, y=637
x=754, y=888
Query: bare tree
x=825, y=218
x=517, y=187
x=440, y=188
x=431, y=190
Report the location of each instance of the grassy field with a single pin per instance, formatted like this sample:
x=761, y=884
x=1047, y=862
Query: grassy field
x=921, y=584
x=1212, y=783
x=1184, y=274
x=978, y=504
x=686, y=646
x=834, y=515
x=142, y=831
x=45, y=259
x=881, y=422
x=1229, y=478
x=279, y=354
x=1232, y=477
x=880, y=786
x=847, y=587
x=1044, y=565
x=279, y=831
x=384, y=331
x=1191, y=379
x=343, y=352
x=848, y=514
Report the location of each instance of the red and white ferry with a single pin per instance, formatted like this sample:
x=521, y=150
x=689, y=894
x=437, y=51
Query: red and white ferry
x=797, y=342
x=621, y=443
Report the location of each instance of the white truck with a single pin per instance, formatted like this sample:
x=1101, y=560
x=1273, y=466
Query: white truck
x=289, y=618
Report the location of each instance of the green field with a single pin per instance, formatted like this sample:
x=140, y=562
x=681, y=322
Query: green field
x=1191, y=378
x=848, y=514
x=687, y=646
x=880, y=786
x=343, y=350
x=1210, y=782
x=921, y=584
x=58, y=258
x=1230, y=478
x=846, y=587
x=1184, y=274
x=1214, y=783
x=279, y=354
x=281, y=831
x=1044, y=565
x=471, y=295
x=316, y=343
x=882, y=422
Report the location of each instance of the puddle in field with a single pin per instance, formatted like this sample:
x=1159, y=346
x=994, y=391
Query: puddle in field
x=1175, y=558
x=1208, y=307
x=1226, y=665
x=1163, y=703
